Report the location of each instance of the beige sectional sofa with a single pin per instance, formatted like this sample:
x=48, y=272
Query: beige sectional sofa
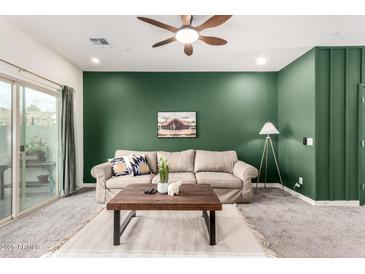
x=229, y=177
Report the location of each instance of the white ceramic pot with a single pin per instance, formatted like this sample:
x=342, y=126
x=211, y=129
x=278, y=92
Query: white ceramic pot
x=162, y=188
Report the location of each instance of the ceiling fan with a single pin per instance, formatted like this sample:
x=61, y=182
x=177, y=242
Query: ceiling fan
x=188, y=34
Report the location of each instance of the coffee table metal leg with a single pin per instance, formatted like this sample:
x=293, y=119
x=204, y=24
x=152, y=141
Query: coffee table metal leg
x=116, y=229
x=210, y=222
x=119, y=228
x=206, y=219
x=212, y=227
x=126, y=221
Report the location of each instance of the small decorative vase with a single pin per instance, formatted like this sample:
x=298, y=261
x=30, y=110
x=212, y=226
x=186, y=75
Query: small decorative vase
x=162, y=187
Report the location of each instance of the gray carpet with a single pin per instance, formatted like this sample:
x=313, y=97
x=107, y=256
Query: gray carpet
x=33, y=235
x=293, y=228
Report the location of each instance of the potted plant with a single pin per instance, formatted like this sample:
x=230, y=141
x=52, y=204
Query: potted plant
x=37, y=150
x=164, y=176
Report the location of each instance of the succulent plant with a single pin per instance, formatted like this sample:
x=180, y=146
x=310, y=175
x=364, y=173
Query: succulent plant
x=164, y=170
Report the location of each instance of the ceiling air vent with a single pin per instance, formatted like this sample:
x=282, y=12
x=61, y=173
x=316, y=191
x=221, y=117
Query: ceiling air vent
x=100, y=42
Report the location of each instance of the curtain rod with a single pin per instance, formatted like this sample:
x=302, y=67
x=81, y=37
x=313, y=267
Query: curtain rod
x=27, y=71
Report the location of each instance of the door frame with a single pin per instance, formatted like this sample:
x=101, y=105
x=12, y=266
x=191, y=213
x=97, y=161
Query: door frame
x=16, y=84
x=18, y=212
x=11, y=82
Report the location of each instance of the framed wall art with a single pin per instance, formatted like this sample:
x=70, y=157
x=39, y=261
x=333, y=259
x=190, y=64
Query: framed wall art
x=176, y=124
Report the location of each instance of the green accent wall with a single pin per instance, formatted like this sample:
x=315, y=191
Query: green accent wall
x=315, y=96
x=318, y=97
x=361, y=158
x=339, y=71
x=296, y=116
x=120, y=112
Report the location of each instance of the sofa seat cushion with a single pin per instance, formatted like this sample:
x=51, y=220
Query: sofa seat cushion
x=182, y=161
x=185, y=177
x=218, y=179
x=122, y=181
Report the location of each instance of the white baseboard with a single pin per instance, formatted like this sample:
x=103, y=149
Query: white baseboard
x=351, y=203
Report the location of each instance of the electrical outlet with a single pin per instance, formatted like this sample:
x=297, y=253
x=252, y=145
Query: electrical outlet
x=300, y=180
x=363, y=187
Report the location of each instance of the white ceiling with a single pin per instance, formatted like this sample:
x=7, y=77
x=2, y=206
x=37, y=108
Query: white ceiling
x=281, y=39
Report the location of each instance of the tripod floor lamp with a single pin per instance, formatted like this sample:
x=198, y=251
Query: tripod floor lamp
x=268, y=129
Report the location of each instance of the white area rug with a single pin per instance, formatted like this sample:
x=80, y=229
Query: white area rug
x=167, y=234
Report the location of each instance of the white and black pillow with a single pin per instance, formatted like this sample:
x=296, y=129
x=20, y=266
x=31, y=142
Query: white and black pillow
x=137, y=164
x=119, y=167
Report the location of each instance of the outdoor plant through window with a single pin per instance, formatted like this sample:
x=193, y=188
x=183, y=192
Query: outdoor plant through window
x=37, y=148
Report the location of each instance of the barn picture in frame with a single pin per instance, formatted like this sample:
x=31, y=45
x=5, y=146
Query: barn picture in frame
x=176, y=124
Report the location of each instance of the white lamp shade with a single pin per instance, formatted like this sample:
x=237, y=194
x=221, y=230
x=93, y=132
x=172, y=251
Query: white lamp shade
x=268, y=129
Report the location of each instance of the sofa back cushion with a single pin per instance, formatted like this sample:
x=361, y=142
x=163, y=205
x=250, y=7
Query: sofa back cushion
x=150, y=155
x=178, y=161
x=215, y=161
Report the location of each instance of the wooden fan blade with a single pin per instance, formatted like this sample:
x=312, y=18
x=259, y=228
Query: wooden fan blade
x=214, y=21
x=164, y=42
x=211, y=40
x=157, y=23
x=188, y=49
x=186, y=20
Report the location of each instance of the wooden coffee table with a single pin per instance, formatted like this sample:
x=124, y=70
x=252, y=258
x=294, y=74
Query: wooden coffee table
x=191, y=197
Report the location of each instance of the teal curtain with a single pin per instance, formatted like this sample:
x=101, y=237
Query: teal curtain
x=68, y=142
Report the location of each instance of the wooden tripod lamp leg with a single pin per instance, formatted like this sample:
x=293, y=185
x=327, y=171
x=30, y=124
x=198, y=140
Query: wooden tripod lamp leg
x=276, y=163
x=266, y=157
x=262, y=160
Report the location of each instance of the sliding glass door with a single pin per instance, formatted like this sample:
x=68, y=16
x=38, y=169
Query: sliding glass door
x=29, y=147
x=38, y=147
x=5, y=149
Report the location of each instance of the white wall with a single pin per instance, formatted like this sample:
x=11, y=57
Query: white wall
x=21, y=49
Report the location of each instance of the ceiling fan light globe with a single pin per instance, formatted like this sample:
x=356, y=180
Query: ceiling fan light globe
x=187, y=35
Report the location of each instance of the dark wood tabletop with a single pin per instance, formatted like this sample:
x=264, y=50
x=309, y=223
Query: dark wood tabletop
x=190, y=197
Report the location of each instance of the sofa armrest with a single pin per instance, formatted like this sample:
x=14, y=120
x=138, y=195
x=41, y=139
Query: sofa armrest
x=244, y=171
x=102, y=173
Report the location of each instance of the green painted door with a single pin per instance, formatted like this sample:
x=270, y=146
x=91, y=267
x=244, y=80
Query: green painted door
x=361, y=169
